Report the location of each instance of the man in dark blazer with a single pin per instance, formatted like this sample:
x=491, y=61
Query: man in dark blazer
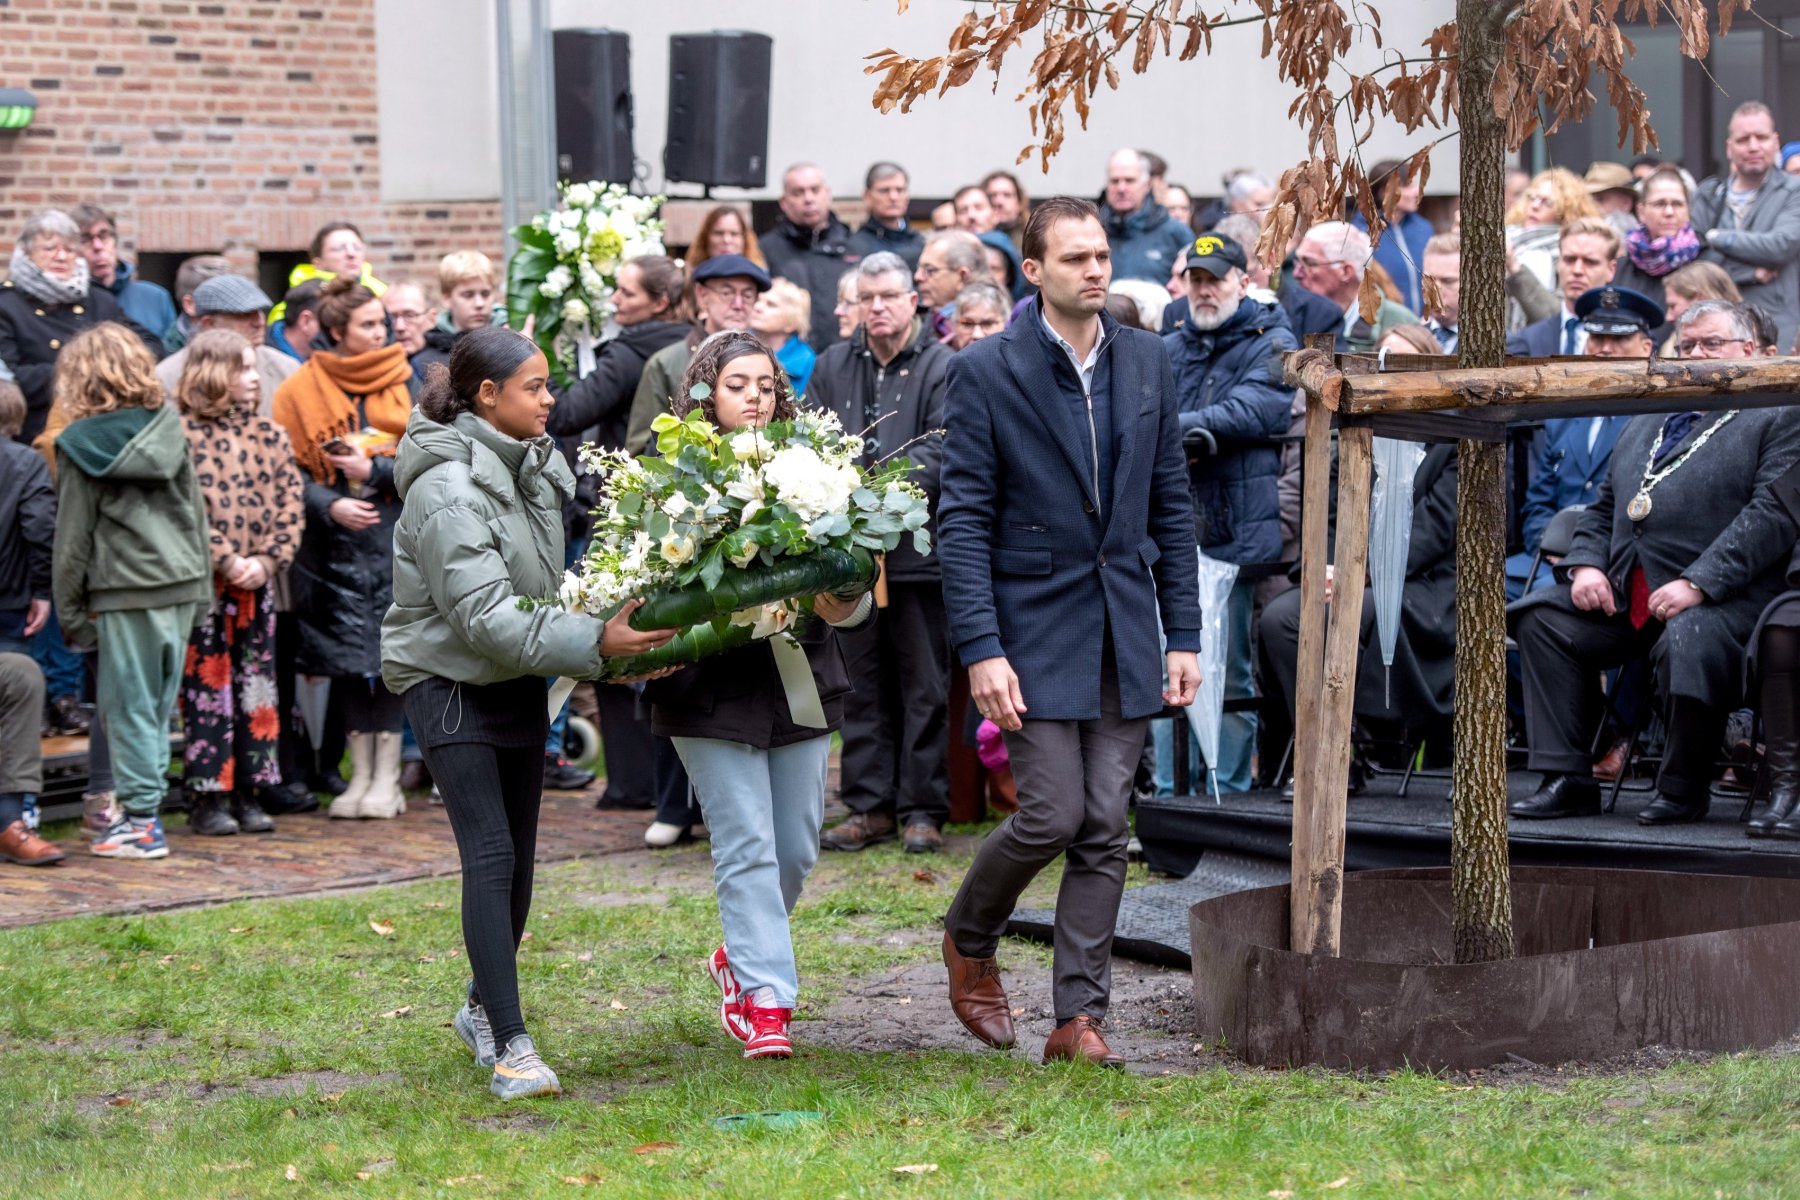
x=1586, y=258
x=887, y=382
x=1676, y=558
x=1066, y=542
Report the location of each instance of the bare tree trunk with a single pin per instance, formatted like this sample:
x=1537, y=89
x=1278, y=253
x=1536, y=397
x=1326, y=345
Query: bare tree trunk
x=1480, y=887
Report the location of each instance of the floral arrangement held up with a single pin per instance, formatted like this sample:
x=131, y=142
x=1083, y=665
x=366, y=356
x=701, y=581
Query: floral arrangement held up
x=730, y=535
x=567, y=265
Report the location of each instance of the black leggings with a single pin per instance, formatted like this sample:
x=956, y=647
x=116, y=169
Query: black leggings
x=491, y=794
x=367, y=705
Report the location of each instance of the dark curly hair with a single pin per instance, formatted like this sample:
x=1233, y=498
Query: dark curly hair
x=709, y=361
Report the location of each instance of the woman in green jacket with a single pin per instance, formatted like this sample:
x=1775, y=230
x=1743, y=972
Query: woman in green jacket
x=482, y=527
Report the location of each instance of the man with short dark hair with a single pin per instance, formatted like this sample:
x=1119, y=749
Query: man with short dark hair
x=886, y=194
x=297, y=333
x=809, y=246
x=1067, y=549
x=1750, y=220
x=1441, y=264
x=1587, y=255
x=233, y=302
x=146, y=303
x=887, y=382
x=1681, y=550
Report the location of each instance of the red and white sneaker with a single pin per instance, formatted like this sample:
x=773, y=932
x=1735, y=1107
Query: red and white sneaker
x=731, y=1005
x=768, y=1032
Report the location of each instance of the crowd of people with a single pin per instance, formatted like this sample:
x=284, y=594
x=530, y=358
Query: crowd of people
x=210, y=504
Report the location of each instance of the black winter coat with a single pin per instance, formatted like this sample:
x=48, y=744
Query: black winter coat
x=437, y=347
x=813, y=260
x=342, y=580
x=596, y=408
x=844, y=381
x=874, y=237
x=27, y=526
x=738, y=697
x=31, y=335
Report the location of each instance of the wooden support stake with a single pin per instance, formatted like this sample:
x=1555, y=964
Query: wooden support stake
x=1557, y=381
x=1330, y=774
x=1315, y=520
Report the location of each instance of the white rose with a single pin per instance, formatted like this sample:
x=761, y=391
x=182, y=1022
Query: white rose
x=750, y=446
x=556, y=283
x=677, y=548
x=569, y=594
x=751, y=549
x=580, y=195
x=676, y=506
x=575, y=312
x=567, y=242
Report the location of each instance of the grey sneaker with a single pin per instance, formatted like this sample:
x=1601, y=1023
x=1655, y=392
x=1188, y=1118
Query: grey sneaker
x=471, y=1024
x=520, y=1073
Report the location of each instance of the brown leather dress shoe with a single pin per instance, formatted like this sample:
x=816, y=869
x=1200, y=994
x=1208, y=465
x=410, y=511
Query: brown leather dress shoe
x=1080, y=1041
x=859, y=830
x=922, y=837
x=23, y=846
x=977, y=998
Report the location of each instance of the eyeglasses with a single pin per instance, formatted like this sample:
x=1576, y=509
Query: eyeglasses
x=99, y=237
x=731, y=295
x=1712, y=345
x=885, y=299
x=1311, y=264
x=407, y=314
x=1666, y=202
x=972, y=324
x=931, y=272
x=55, y=249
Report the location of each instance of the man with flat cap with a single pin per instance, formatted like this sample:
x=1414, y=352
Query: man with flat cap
x=1681, y=549
x=1574, y=452
x=1231, y=403
x=233, y=302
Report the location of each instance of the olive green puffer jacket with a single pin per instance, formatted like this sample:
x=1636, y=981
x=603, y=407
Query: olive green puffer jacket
x=482, y=526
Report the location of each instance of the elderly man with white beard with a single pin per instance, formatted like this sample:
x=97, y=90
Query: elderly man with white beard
x=1226, y=359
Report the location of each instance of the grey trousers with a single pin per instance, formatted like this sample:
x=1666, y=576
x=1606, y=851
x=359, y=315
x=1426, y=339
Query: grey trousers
x=1074, y=779
x=21, y=715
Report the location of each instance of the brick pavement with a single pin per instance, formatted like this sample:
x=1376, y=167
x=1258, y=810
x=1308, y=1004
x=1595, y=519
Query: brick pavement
x=306, y=854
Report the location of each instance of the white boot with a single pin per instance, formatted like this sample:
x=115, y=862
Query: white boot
x=384, y=799
x=362, y=768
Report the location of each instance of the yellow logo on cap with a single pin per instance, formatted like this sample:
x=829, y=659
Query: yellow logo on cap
x=1208, y=244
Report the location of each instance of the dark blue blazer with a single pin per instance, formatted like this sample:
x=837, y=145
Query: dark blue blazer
x=1034, y=569
x=1540, y=339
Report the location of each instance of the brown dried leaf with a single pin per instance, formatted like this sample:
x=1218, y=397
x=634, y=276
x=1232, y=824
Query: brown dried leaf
x=1433, y=295
x=1368, y=297
x=916, y=1169
x=384, y=928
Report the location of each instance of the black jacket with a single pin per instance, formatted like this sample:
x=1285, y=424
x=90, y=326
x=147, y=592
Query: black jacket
x=874, y=237
x=342, y=580
x=845, y=380
x=438, y=344
x=738, y=697
x=27, y=526
x=813, y=260
x=31, y=335
x=596, y=408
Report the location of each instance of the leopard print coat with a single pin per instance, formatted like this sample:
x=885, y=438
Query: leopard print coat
x=252, y=487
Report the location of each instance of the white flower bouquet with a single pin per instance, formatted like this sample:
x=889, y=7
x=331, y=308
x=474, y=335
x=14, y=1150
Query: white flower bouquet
x=567, y=265
x=729, y=536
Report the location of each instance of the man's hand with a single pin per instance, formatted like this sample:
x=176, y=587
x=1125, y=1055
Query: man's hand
x=1591, y=591
x=995, y=690
x=1184, y=678
x=1672, y=599
x=619, y=640
x=354, y=515
x=356, y=466
x=37, y=615
x=1766, y=274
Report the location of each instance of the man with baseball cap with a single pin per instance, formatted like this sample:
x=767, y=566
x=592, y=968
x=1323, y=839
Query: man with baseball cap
x=1231, y=402
x=725, y=290
x=233, y=302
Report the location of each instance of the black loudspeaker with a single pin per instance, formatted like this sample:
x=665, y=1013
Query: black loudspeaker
x=718, y=109
x=593, y=105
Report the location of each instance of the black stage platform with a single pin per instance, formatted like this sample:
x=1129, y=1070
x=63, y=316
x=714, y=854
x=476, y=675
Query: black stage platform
x=1243, y=840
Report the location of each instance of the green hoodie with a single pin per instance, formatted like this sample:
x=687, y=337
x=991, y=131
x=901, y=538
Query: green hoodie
x=482, y=527
x=131, y=528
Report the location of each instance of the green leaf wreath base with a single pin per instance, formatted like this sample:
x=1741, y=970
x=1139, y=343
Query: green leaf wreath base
x=825, y=570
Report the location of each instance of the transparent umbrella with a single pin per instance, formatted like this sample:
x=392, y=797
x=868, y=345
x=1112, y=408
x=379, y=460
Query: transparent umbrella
x=1390, y=534
x=1208, y=709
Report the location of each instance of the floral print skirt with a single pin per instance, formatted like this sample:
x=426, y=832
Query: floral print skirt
x=229, y=707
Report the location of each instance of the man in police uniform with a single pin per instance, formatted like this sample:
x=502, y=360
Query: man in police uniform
x=1683, y=539
x=1573, y=454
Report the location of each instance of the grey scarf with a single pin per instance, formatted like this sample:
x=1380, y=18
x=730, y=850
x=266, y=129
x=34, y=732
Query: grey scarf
x=30, y=279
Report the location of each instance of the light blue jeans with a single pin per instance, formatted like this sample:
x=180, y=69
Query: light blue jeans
x=763, y=809
x=1237, y=731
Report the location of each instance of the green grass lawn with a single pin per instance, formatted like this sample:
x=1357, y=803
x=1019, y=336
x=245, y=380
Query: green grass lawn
x=291, y=1049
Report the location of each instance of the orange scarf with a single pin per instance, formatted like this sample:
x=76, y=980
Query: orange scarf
x=318, y=402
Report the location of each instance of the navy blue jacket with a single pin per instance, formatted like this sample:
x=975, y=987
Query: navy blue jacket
x=1307, y=312
x=1145, y=243
x=1540, y=339
x=1228, y=382
x=1034, y=568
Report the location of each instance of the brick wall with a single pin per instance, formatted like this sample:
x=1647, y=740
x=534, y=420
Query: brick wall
x=236, y=125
